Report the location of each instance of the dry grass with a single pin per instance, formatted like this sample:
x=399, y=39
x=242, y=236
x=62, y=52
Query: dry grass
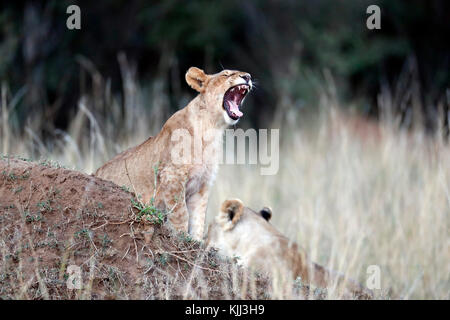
x=352, y=203
x=350, y=200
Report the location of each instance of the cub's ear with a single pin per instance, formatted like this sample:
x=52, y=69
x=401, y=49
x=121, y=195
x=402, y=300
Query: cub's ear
x=196, y=78
x=266, y=213
x=230, y=213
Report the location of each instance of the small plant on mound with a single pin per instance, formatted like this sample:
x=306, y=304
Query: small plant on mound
x=148, y=212
x=51, y=164
x=186, y=238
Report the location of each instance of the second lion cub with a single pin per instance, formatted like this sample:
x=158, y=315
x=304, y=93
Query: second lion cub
x=185, y=151
x=238, y=231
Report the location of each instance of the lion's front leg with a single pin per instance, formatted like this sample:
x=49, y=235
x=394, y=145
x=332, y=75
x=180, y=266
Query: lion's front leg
x=172, y=193
x=196, y=205
x=178, y=217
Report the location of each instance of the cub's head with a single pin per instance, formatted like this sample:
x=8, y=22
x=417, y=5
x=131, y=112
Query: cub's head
x=237, y=229
x=223, y=92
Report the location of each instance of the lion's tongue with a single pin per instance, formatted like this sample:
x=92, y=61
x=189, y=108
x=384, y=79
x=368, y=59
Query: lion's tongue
x=234, y=108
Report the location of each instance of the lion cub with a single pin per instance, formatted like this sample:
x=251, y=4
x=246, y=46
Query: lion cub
x=184, y=156
x=238, y=231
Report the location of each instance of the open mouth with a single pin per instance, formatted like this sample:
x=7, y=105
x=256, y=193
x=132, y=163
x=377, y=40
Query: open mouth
x=232, y=100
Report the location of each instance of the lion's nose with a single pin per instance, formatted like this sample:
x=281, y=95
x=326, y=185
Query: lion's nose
x=246, y=77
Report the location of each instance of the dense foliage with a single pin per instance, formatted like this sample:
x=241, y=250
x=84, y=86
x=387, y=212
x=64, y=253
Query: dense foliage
x=290, y=47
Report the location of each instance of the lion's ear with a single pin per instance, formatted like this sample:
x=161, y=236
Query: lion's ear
x=266, y=213
x=230, y=213
x=196, y=78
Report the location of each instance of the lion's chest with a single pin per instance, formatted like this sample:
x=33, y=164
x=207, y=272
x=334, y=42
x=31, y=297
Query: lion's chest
x=201, y=175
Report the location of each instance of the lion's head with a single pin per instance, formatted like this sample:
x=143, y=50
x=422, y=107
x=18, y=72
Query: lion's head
x=225, y=91
x=238, y=231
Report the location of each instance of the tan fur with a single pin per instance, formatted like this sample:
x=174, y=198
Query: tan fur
x=181, y=188
x=260, y=246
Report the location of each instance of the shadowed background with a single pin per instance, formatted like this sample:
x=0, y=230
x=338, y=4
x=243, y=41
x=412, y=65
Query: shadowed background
x=288, y=46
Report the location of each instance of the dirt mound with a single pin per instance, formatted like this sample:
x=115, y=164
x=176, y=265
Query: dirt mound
x=52, y=218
